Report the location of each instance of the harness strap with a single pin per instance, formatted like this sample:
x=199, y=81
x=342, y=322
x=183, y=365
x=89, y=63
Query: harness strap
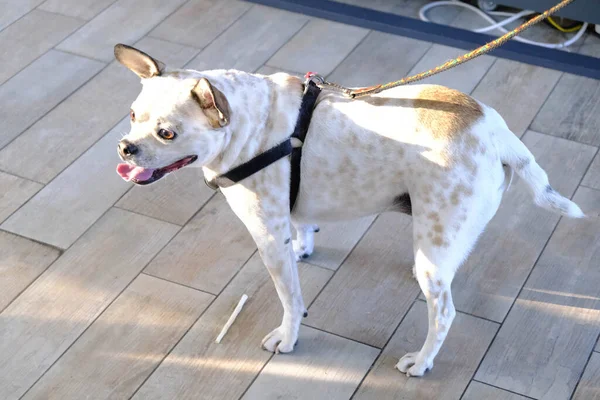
x=251, y=167
x=285, y=148
x=311, y=92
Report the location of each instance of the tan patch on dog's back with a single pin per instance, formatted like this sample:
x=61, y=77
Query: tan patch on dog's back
x=446, y=112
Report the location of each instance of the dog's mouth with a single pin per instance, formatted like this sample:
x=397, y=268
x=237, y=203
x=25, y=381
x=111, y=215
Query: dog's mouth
x=145, y=176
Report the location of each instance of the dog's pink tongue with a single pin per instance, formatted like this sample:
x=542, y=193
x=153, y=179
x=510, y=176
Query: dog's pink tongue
x=129, y=172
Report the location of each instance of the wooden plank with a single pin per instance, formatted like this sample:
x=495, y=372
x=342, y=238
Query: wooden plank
x=592, y=177
x=335, y=241
x=480, y=391
x=208, y=251
x=83, y=118
x=373, y=288
x=323, y=366
x=543, y=346
x=125, y=344
x=320, y=46
x=97, y=38
x=372, y=61
x=14, y=191
x=66, y=207
x=84, y=9
x=588, y=388
x=590, y=46
x=51, y=314
x=21, y=261
x=526, y=86
x=200, y=369
x=199, y=22
x=13, y=10
x=174, y=198
x=56, y=75
x=464, y=78
x=572, y=111
x=250, y=41
x=454, y=366
x=30, y=37
x=488, y=282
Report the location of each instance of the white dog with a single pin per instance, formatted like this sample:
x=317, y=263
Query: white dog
x=422, y=149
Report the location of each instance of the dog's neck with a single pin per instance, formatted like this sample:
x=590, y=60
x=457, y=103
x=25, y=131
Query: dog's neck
x=264, y=110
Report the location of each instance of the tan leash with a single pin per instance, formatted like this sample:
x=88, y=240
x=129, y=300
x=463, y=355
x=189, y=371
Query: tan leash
x=366, y=91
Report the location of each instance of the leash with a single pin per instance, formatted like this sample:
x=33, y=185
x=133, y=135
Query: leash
x=312, y=88
x=366, y=91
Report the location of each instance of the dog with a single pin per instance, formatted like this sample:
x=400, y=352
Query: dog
x=427, y=150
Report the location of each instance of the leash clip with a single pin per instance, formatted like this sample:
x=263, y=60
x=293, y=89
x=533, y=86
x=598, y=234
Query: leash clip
x=313, y=76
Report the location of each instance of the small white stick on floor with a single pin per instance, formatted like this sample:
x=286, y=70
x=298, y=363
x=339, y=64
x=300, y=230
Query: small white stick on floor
x=232, y=318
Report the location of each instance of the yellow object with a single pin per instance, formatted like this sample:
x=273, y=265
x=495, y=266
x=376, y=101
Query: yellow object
x=560, y=28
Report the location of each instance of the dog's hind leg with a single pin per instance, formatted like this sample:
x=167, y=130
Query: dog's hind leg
x=442, y=241
x=304, y=244
x=434, y=279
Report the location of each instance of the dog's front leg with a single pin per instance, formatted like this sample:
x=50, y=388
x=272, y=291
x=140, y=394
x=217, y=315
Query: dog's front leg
x=268, y=221
x=280, y=260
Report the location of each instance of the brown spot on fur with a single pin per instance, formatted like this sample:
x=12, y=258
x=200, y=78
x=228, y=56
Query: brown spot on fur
x=446, y=112
x=419, y=236
x=437, y=241
x=438, y=228
x=433, y=216
x=460, y=190
x=469, y=163
x=471, y=142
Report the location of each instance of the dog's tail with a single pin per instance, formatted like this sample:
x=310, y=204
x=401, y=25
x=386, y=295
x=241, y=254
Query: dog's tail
x=515, y=154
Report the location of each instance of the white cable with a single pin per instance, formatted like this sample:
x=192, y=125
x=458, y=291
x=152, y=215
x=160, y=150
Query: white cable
x=500, y=25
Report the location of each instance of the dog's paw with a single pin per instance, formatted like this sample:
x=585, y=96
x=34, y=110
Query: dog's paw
x=411, y=366
x=301, y=251
x=278, y=342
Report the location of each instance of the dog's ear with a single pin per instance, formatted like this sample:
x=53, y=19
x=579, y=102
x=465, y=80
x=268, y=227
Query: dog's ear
x=138, y=61
x=213, y=103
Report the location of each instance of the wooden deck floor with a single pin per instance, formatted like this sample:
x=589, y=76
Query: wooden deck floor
x=114, y=291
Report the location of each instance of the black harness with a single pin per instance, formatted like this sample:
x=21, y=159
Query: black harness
x=263, y=160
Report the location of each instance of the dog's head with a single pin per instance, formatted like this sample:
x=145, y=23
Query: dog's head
x=174, y=121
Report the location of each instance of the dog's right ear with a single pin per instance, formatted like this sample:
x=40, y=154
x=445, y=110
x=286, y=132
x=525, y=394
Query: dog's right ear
x=212, y=102
x=138, y=61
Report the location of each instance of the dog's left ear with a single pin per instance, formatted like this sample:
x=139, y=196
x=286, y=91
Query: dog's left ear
x=138, y=61
x=213, y=103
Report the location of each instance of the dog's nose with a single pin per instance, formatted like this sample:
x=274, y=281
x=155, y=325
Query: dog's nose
x=127, y=149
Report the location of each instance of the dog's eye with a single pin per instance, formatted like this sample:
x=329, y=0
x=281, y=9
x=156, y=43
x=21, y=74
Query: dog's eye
x=132, y=115
x=166, y=134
